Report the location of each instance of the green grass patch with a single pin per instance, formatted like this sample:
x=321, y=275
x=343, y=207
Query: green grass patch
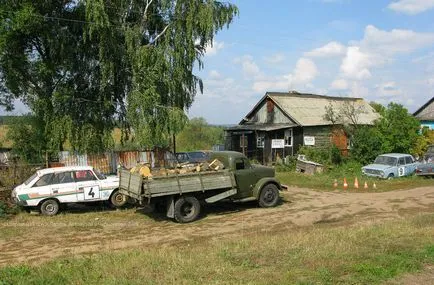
x=360, y=254
x=324, y=181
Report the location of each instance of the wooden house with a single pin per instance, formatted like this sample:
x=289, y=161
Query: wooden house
x=280, y=123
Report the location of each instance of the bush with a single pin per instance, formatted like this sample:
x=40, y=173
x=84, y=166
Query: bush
x=3, y=209
x=327, y=156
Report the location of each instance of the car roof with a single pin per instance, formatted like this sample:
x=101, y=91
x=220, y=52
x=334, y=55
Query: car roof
x=396, y=154
x=63, y=169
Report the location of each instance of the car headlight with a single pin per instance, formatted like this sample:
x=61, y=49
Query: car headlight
x=382, y=173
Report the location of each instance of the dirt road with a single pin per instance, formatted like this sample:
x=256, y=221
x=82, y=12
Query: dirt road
x=34, y=239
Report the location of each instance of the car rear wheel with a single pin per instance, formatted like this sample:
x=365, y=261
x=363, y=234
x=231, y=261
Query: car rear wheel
x=117, y=199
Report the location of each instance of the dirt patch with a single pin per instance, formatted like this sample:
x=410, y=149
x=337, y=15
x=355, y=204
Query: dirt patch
x=35, y=239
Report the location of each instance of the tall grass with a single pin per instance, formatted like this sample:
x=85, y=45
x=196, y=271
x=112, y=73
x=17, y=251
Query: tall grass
x=361, y=254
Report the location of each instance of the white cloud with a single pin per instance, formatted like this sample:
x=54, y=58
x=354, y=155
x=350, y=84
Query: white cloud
x=339, y=84
x=213, y=48
x=214, y=74
x=411, y=7
x=304, y=72
x=378, y=47
x=356, y=63
x=250, y=68
x=395, y=41
x=331, y=49
x=275, y=58
x=388, y=89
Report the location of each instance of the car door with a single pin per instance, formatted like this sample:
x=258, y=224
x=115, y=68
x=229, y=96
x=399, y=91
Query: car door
x=88, y=186
x=410, y=165
x=64, y=187
x=42, y=188
x=402, y=167
x=245, y=177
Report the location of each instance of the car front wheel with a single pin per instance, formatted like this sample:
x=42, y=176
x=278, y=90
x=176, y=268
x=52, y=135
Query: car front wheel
x=49, y=207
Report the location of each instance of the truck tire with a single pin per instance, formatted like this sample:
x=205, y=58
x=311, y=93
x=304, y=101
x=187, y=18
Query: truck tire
x=49, y=207
x=117, y=199
x=269, y=196
x=187, y=209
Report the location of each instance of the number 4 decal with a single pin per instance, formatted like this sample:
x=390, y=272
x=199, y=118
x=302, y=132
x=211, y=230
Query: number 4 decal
x=91, y=193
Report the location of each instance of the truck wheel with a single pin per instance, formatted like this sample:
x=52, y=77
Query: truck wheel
x=390, y=176
x=49, y=207
x=269, y=196
x=187, y=209
x=117, y=199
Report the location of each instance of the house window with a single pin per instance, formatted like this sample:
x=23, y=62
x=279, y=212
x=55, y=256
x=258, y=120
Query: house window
x=243, y=141
x=288, y=137
x=260, y=141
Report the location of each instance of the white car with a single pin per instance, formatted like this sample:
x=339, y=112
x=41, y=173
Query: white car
x=50, y=187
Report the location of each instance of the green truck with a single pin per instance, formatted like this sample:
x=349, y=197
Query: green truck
x=181, y=195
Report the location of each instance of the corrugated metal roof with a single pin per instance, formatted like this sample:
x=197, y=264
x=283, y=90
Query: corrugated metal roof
x=259, y=127
x=310, y=109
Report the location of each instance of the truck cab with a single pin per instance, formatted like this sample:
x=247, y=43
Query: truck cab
x=250, y=178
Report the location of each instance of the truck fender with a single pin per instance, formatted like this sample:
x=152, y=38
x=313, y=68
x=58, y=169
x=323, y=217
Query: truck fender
x=262, y=182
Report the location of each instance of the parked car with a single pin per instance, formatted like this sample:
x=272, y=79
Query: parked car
x=47, y=188
x=192, y=156
x=391, y=165
x=426, y=166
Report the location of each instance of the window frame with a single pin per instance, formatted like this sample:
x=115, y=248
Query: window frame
x=245, y=142
x=285, y=137
x=260, y=141
x=87, y=170
x=48, y=183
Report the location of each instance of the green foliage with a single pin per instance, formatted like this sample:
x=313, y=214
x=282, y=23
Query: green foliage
x=28, y=138
x=327, y=156
x=198, y=135
x=158, y=42
x=398, y=128
x=3, y=209
x=395, y=131
x=424, y=140
x=366, y=144
x=84, y=67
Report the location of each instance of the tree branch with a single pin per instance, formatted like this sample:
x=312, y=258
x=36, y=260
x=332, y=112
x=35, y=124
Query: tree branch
x=159, y=35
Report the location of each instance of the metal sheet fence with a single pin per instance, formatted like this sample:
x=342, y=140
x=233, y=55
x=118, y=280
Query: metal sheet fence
x=108, y=162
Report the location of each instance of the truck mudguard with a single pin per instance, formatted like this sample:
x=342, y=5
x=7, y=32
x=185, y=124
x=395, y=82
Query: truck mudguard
x=262, y=182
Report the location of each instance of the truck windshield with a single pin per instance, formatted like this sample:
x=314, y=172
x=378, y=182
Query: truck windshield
x=386, y=160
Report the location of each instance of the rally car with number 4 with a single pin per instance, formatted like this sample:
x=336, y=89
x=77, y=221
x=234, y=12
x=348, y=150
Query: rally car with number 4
x=48, y=188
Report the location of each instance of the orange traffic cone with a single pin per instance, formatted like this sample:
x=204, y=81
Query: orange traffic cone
x=345, y=183
x=356, y=183
x=374, y=186
x=366, y=185
x=335, y=184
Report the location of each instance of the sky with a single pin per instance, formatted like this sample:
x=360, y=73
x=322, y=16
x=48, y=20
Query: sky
x=380, y=50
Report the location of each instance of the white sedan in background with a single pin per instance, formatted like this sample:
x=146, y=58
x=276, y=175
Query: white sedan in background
x=48, y=188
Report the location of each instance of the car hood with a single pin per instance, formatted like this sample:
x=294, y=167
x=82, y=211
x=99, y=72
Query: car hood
x=112, y=178
x=376, y=166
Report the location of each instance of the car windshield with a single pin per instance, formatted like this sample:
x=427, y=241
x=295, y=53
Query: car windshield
x=99, y=174
x=197, y=155
x=30, y=179
x=386, y=160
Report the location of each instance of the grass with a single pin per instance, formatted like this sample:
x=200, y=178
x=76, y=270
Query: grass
x=360, y=254
x=324, y=181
